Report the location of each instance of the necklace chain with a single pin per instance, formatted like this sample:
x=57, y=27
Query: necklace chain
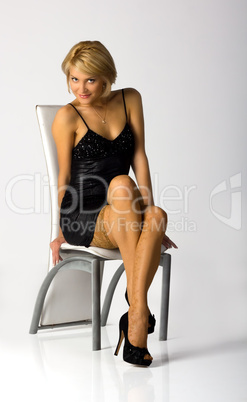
x=102, y=118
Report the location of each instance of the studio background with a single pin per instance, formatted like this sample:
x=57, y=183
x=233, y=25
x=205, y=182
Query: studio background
x=188, y=60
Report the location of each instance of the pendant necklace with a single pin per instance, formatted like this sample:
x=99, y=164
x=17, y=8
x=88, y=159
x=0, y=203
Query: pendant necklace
x=103, y=120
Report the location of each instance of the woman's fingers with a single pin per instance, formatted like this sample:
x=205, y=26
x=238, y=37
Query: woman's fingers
x=55, y=247
x=56, y=258
x=168, y=243
x=173, y=244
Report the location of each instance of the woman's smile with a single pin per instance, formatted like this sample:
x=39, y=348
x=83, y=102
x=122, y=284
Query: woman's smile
x=84, y=96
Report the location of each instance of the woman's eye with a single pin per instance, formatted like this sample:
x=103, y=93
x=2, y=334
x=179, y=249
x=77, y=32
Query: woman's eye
x=91, y=80
x=74, y=79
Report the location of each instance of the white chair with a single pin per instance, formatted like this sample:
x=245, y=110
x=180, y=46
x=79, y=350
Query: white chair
x=78, y=260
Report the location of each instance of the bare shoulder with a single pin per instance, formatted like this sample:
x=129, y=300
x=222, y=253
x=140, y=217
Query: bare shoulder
x=133, y=99
x=65, y=115
x=64, y=127
x=133, y=102
x=132, y=94
x=129, y=93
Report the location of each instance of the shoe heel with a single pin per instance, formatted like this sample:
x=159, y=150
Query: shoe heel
x=121, y=338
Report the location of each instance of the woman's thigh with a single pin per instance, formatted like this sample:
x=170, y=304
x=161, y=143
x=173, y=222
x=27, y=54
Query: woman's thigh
x=102, y=234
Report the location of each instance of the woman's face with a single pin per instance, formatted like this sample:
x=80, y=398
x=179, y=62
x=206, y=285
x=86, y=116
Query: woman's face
x=87, y=89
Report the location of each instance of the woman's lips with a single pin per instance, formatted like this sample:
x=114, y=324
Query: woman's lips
x=84, y=96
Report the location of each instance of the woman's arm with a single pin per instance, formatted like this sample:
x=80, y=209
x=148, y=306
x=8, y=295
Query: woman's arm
x=140, y=164
x=63, y=129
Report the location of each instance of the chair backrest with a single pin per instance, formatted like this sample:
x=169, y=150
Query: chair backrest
x=76, y=306
x=46, y=115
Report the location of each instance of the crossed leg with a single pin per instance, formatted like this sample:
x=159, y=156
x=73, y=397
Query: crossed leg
x=138, y=232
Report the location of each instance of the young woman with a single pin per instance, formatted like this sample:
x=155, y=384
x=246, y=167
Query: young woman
x=99, y=135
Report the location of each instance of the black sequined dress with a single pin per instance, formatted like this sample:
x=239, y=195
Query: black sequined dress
x=95, y=162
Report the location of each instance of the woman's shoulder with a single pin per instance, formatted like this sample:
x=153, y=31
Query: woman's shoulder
x=65, y=115
x=131, y=95
x=131, y=92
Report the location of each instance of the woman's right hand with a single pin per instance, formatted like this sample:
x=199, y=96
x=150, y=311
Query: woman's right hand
x=55, y=246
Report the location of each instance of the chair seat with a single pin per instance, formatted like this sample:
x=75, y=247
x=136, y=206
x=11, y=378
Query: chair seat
x=113, y=254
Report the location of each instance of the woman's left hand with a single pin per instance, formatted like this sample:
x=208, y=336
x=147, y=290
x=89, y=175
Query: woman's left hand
x=168, y=243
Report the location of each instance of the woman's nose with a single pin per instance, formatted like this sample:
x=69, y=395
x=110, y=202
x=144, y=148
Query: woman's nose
x=84, y=89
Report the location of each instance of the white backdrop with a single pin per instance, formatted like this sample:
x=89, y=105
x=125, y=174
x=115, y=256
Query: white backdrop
x=188, y=60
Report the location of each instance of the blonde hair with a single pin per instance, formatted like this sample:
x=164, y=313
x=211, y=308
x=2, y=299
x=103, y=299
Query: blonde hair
x=91, y=57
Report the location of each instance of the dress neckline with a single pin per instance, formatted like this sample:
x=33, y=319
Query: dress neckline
x=101, y=136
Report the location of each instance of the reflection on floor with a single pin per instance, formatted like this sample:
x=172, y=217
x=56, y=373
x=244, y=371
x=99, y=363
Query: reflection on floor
x=58, y=365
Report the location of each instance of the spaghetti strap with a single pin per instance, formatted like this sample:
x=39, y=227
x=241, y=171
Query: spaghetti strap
x=79, y=115
x=124, y=105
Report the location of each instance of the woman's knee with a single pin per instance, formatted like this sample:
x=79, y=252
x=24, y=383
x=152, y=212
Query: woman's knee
x=155, y=219
x=122, y=185
x=123, y=193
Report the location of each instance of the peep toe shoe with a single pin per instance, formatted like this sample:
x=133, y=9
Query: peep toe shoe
x=151, y=318
x=131, y=354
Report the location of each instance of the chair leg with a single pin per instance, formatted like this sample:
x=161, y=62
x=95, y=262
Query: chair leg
x=41, y=298
x=96, y=272
x=165, y=293
x=109, y=294
x=96, y=332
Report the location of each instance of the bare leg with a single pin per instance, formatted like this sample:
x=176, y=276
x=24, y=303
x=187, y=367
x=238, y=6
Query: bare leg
x=146, y=260
x=123, y=220
x=140, y=249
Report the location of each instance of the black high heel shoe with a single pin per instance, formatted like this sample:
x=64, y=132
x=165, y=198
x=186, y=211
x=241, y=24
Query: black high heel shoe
x=131, y=354
x=151, y=318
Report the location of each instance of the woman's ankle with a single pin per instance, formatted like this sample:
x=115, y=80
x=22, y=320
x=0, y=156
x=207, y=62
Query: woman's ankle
x=138, y=327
